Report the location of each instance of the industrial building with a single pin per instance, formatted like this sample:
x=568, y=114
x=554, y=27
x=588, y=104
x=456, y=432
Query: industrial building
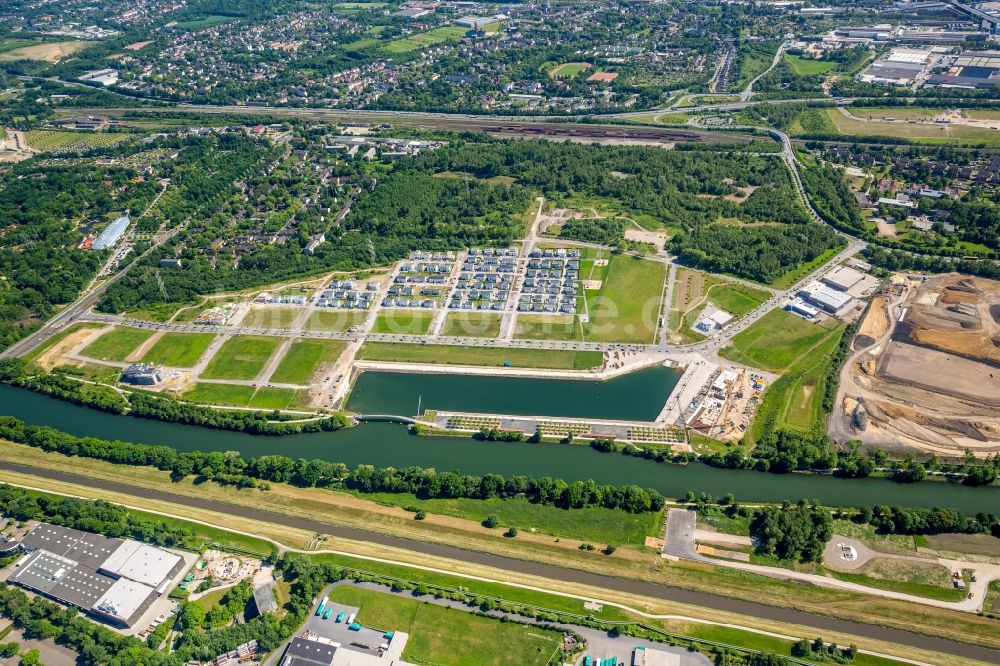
x=315, y=651
x=900, y=67
x=113, y=579
x=970, y=70
x=141, y=374
x=106, y=77
x=111, y=234
x=825, y=298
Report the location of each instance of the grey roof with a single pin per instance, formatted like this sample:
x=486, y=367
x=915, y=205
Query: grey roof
x=62, y=579
x=263, y=597
x=308, y=653
x=90, y=550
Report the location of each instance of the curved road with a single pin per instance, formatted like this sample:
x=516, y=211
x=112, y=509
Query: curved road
x=552, y=572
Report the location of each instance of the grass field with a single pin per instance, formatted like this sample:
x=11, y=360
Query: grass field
x=117, y=344
x=547, y=327
x=480, y=356
x=408, y=322
x=205, y=22
x=627, y=305
x=239, y=395
x=178, y=350
x=335, y=320
x=921, y=132
x=270, y=317
x=45, y=51
x=473, y=324
x=241, y=357
x=809, y=66
x=448, y=636
x=425, y=39
x=303, y=359
x=569, y=70
x=776, y=340
x=738, y=299
x=802, y=270
x=918, y=580
x=51, y=140
x=597, y=524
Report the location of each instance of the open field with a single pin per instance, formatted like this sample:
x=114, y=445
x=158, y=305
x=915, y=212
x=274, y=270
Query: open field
x=409, y=322
x=48, y=52
x=304, y=358
x=424, y=39
x=448, y=636
x=335, y=320
x=117, y=344
x=928, y=579
x=241, y=357
x=802, y=270
x=45, y=140
x=922, y=132
x=738, y=299
x=809, y=66
x=240, y=395
x=266, y=316
x=484, y=356
x=178, y=350
x=627, y=305
x=547, y=327
x=59, y=344
x=776, y=340
x=568, y=70
x=475, y=324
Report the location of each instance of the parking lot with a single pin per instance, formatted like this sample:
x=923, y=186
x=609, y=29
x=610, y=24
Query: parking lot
x=365, y=639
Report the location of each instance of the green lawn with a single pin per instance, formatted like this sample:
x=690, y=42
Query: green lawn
x=241, y=357
x=775, y=340
x=569, y=70
x=424, y=39
x=802, y=270
x=239, y=395
x=335, y=320
x=907, y=587
x=547, y=327
x=473, y=324
x=920, y=132
x=303, y=359
x=738, y=299
x=404, y=322
x=627, y=306
x=809, y=66
x=179, y=350
x=266, y=316
x=482, y=356
x=596, y=524
x=117, y=344
x=448, y=636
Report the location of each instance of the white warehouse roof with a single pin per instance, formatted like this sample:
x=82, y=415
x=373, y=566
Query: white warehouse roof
x=141, y=563
x=123, y=599
x=827, y=298
x=843, y=278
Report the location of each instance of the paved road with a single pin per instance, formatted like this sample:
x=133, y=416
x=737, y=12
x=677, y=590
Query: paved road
x=552, y=572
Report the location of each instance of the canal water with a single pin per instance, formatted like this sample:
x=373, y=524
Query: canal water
x=385, y=444
x=637, y=396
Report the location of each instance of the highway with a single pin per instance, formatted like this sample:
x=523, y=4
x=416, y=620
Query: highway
x=552, y=572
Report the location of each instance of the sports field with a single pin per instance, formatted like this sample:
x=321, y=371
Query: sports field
x=472, y=324
x=425, y=39
x=480, y=356
x=404, y=322
x=241, y=357
x=117, y=344
x=626, y=307
x=304, y=358
x=568, y=70
x=448, y=636
x=178, y=350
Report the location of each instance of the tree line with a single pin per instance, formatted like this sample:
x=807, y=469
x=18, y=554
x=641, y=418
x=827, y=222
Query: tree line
x=232, y=468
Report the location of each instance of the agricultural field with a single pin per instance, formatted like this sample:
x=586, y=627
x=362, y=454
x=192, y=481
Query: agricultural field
x=19, y=49
x=304, y=358
x=241, y=357
x=53, y=140
x=569, y=70
x=626, y=307
x=178, y=350
x=809, y=66
x=267, y=316
x=117, y=344
x=548, y=327
x=449, y=636
x=480, y=356
x=472, y=324
x=335, y=320
x=425, y=39
x=405, y=322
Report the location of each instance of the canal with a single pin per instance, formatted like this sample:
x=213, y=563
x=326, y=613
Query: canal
x=386, y=444
x=637, y=396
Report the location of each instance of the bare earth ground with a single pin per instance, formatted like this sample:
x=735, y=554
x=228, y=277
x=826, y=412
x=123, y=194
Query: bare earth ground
x=53, y=52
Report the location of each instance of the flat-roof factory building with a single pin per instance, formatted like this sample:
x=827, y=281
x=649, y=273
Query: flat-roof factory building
x=114, y=579
x=822, y=296
x=111, y=234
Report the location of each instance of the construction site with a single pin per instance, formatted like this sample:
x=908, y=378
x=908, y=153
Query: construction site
x=925, y=372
